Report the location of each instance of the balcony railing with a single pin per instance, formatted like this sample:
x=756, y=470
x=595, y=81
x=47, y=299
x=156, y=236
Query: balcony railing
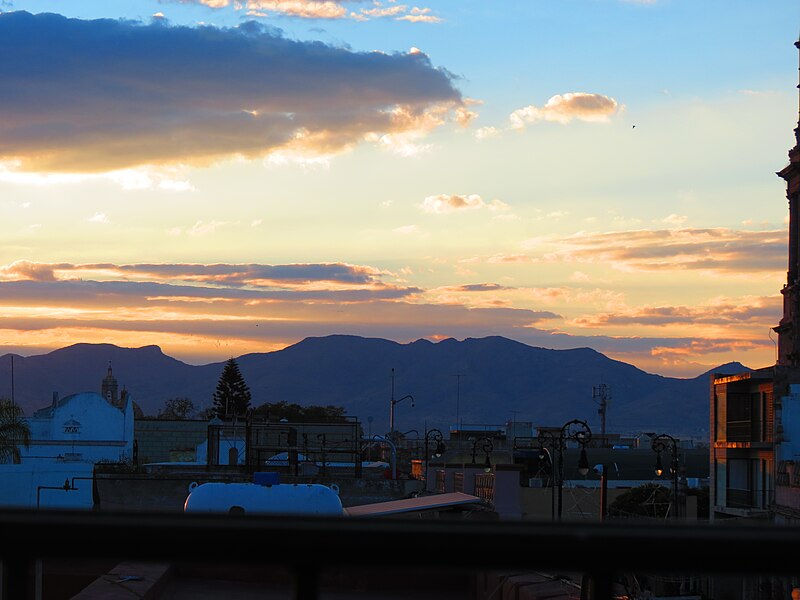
x=306, y=546
x=440, y=481
x=738, y=498
x=484, y=487
x=740, y=431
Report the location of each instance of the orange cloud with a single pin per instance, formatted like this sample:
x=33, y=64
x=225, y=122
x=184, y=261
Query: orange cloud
x=735, y=312
x=719, y=250
x=254, y=307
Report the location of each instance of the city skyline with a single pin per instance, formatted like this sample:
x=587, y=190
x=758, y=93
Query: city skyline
x=219, y=178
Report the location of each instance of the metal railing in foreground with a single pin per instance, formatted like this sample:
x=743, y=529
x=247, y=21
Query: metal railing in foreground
x=307, y=545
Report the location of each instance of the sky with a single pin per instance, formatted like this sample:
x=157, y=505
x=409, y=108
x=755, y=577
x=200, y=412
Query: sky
x=221, y=177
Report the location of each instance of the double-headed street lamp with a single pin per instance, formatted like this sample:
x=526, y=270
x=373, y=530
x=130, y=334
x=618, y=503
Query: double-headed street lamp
x=487, y=448
x=392, y=403
x=575, y=430
x=659, y=444
x=433, y=435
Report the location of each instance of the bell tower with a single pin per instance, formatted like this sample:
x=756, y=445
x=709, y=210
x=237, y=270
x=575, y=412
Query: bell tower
x=789, y=327
x=109, y=388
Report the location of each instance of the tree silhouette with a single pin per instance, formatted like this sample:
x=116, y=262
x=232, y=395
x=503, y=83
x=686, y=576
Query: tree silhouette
x=647, y=500
x=14, y=432
x=294, y=413
x=232, y=397
x=177, y=408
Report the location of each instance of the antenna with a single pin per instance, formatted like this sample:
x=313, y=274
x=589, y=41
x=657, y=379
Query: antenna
x=602, y=395
x=12, y=381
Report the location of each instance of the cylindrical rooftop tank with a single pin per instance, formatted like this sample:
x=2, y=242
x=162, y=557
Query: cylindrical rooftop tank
x=294, y=499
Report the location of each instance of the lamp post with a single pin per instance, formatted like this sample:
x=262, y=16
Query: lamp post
x=392, y=403
x=545, y=453
x=487, y=448
x=393, y=448
x=575, y=430
x=659, y=444
x=433, y=435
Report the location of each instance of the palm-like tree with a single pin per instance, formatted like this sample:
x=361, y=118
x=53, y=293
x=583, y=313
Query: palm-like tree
x=14, y=432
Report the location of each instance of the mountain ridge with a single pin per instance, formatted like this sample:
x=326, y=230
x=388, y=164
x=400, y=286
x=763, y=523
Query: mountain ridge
x=487, y=380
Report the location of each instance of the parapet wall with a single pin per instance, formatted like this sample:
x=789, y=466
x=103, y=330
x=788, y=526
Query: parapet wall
x=167, y=492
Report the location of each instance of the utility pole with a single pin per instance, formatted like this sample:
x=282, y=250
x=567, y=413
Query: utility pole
x=392, y=402
x=513, y=424
x=458, y=377
x=391, y=406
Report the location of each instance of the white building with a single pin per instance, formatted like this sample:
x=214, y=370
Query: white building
x=67, y=439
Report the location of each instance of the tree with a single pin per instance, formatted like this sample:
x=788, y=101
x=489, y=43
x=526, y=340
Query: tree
x=14, y=431
x=647, y=500
x=232, y=396
x=177, y=408
x=294, y=413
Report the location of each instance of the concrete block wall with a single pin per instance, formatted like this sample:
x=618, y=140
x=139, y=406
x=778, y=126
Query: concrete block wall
x=169, y=440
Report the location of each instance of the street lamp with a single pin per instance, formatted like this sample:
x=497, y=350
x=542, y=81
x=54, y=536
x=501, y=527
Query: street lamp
x=487, y=448
x=659, y=444
x=545, y=453
x=433, y=435
x=392, y=403
x=575, y=430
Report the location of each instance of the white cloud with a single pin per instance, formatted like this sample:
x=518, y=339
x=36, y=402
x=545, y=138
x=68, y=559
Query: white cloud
x=563, y=108
x=201, y=228
x=674, y=219
x=307, y=9
x=486, y=132
x=99, y=218
x=579, y=276
x=447, y=203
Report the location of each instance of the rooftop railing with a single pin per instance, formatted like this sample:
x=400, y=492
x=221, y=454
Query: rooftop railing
x=307, y=545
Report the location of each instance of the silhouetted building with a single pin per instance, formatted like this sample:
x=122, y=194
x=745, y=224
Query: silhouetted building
x=789, y=327
x=753, y=414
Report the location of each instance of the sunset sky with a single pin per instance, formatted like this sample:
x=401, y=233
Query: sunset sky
x=221, y=177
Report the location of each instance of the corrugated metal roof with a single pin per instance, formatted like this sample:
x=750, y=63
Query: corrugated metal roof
x=410, y=504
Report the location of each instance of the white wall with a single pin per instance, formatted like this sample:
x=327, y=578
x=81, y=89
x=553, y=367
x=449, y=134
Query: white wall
x=56, y=455
x=20, y=485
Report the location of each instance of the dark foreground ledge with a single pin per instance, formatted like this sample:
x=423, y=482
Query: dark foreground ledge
x=311, y=544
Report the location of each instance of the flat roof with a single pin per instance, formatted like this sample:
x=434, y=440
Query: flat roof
x=410, y=504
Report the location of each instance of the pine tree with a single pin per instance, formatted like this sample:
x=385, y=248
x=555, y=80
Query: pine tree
x=232, y=396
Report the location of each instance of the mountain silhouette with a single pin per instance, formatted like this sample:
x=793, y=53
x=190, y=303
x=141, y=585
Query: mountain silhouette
x=485, y=381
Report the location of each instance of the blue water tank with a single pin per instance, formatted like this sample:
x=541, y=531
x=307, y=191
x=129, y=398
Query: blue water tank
x=288, y=499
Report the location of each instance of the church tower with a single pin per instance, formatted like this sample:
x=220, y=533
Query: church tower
x=109, y=388
x=789, y=328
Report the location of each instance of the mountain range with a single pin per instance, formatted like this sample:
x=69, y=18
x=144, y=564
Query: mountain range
x=477, y=381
